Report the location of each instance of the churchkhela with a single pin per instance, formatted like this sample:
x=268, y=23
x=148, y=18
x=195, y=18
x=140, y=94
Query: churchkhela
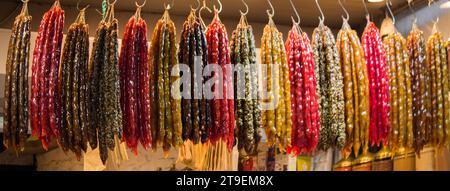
x=246, y=89
x=421, y=88
x=15, y=111
x=222, y=105
x=74, y=82
x=195, y=108
x=105, y=114
x=329, y=89
x=356, y=91
x=400, y=92
x=436, y=59
x=276, y=119
x=45, y=110
x=378, y=71
x=304, y=103
x=134, y=84
x=165, y=106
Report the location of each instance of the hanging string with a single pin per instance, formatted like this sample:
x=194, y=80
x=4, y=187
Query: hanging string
x=243, y=21
x=345, y=10
x=200, y=14
x=138, y=10
x=24, y=10
x=271, y=14
x=435, y=29
x=104, y=8
x=81, y=16
x=56, y=4
x=110, y=12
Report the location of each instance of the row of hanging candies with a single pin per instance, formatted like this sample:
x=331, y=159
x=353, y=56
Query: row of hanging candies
x=380, y=85
x=83, y=102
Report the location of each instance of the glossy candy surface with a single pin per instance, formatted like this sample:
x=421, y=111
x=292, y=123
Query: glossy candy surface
x=105, y=114
x=45, y=111
x=248, y=109
x=222, y=106
x=304, y=102
x=421, y=89
x=165, y=109
x=378, y=71
x=73, y=88
x=15, y=118
x=436, y=60
x=400, y=92
x=356, y=91
x=134, y=85
x=329, y=89
x=277, y=121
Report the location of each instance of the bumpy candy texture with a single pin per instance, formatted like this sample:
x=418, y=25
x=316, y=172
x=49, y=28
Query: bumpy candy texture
x=134, y=85
x=105, y=114
x=74, y=70
x=356, y=91
x=248, y=109
x=400, y=92
x=165, y=109
x=329, y=89
x=195, y=112
x=378, y=71
x=222, y=107
x=421, y=89
x=45, y=111
x=277, y=121
x=304, y=102
x=436, y=52
x=15, y=117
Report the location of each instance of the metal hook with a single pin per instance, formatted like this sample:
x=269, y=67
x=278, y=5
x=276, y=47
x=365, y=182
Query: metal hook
x=410, y=2
x=200, y=13
x=169, y=6
x=437, y=19
x=367, y=10
x=198, y=6
x=388, y=5
x=273, y=10
x=204, y=7
x=246, y=8
x=140, y=6
x=345, y=10
x=138, y=10
x=220, y=7
x=296, y=13
x=322, y=18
